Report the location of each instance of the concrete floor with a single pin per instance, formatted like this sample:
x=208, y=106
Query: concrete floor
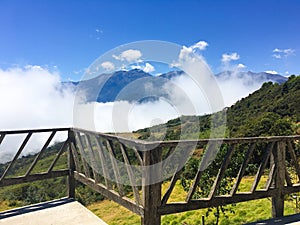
x=59, y=212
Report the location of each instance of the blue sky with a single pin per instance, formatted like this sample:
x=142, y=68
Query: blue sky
x=260, y=35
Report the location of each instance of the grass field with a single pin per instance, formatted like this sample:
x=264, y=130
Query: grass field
x=244, y=212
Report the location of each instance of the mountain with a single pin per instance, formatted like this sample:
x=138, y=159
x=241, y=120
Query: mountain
x=252, y=77
x=133, y=85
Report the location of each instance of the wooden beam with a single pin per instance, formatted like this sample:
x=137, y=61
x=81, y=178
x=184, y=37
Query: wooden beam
x=40, y=153
x=262, y=166
x=178, y=207
x=2, y=136
x=76, y=158
x=116, y=170
x=221, y=173
x=91, y=157
x=294, y=158
x=278, y=200
x=131, y=176
x=34, y=131
x=33, y=177
x=61, y=150
x=243, y=169
x=174, y=179
x=71, y=165
x=82, y=155
x=206, y=159
x=151, y=187
x=110, y=194
x=103, y=164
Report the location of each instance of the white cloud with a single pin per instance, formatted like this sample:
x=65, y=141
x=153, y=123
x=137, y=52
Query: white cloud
x=34, y=98
x=234, y=86
x=148, y=68
x=276, y=56
x=280, y=53
x=187, y=53
x=201, y=45
x=241, y=66
x=129, y=55
x=108, y=65
x=33, y=67
x=271, y=71
x=99, y=31
x=230, y=57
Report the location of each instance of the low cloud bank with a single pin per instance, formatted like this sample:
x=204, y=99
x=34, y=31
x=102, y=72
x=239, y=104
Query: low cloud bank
x=34, y=97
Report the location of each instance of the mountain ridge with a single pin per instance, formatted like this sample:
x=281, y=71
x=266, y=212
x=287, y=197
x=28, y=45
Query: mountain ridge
x=108, y=86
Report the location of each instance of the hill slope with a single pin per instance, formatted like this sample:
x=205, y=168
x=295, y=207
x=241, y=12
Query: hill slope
x=274, y=109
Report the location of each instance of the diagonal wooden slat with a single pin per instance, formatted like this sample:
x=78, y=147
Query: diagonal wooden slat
x=131, y=175
x=91, y=157
x=288, y=178
x=115, y=167
x=76, y=158
x=103, y=164
x=205, y=160
x=1, y=138
x=243, y=169
x=16, y=155
x=138, y=156
x=40, y=153
x=294, y=158
x=168, y=193
x=61, y=150
x=262, y=166
x=271, y=176
x=221, y=172
x=82, y=155
x=166, y=158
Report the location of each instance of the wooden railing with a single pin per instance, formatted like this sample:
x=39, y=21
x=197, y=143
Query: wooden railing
x=132, y=172
x=26, y=136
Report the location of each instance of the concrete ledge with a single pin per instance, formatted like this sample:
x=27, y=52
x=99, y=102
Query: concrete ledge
x=58, y=212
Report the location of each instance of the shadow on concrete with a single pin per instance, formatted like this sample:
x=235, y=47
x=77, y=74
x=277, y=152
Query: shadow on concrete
x=35, y=207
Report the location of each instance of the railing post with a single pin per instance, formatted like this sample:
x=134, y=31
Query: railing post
x=279, y=159
x=71, y=165
x=151, y=190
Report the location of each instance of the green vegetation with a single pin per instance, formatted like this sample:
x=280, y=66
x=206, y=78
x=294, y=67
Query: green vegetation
x=45, y=190
x=245, y=212
x=272, y=110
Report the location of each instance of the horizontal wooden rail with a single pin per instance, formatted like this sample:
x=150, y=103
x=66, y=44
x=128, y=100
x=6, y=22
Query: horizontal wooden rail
x=33, y=131
x=33, y=177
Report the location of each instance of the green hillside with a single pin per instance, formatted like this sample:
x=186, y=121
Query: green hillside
x=272, y=110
